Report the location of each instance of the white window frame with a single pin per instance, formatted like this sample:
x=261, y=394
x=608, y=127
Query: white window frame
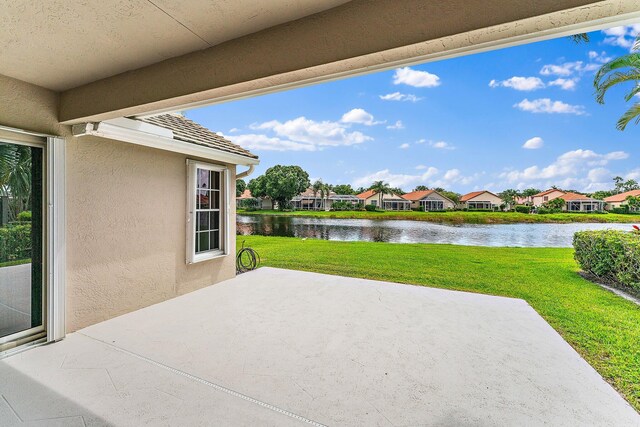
x=54, y=238
x=192, y=186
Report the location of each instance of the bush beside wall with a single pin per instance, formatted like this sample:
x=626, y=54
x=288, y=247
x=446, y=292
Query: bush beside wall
x=523, y=209
x=611, y=255
x=15, y=242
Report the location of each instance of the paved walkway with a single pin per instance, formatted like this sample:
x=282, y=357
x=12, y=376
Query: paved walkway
x=278, y=347
x=15, y=298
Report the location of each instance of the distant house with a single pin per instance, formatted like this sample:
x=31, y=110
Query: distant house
x=619, y=200
x=390, y=202
x=580, y=203
x=543, y=197
x=310, y=201
x=429, y=200
x=247, y=200
x=483, y=199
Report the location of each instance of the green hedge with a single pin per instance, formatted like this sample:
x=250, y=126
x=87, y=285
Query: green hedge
x=15, y=242
x=523, y=208
x=611, y=255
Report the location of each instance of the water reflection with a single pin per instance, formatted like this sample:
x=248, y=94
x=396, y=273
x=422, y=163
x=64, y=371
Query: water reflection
x=395, y=231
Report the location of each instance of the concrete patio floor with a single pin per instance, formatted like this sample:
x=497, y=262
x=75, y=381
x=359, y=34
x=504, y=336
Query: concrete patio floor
x=279, y=347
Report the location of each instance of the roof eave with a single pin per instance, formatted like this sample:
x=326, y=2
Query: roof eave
x=148, y=135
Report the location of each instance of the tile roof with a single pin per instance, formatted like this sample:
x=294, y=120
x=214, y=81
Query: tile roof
x=366, y=194
x=544, y=193
x=189, y=131
x=246, y=194
x=474, y=194
x=622, y=196
x=418, y=195
x=575, y=196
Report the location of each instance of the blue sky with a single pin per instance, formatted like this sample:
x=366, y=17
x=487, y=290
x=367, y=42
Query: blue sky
x=512, y=118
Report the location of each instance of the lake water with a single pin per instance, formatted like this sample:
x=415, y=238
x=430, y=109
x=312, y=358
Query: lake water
x=397, y=231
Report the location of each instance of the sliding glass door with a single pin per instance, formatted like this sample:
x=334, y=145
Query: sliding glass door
x=22, y=290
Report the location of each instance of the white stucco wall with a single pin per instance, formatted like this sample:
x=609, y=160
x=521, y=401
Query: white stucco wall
x=126, y=210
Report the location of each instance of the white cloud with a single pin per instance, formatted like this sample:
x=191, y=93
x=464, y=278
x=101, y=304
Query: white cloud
x=397, y=125
x=564, y=84
x=533, y=143
x=233, y=130
x=634, y=174
x=451, y=174
x=566, y=69
x=569, y=169
x=397, y=96
x=359, y=116
x=599, y=175
x=599, y=57
x=396, y=180
x=415, y=78
x=263, y=142
x=441, y=145
x=545, y=105
x=456, y=177
x=404, y=146
x=431, y=177
x=300, y=134
x=421, y=141
x=519, y=83
x=623, y=36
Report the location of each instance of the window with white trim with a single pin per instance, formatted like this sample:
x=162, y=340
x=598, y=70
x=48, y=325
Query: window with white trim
x=207, y=223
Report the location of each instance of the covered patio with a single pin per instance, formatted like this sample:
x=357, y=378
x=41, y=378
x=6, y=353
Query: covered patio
x=281, y=347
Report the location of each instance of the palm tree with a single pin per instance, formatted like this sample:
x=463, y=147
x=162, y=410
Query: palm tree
x=621, y=70
x=15, y=176
x=381, y=188
x=325, y=192
x=316, y=188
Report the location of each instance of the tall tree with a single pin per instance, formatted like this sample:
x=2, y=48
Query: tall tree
x=344, y=189
x=316, y=187
x=623, y=69
x=397, y=190
x=530, y=192
x=381, y=188
x=421, y=188
x=451, y=195
x=633, y=202
x=325, y=192
x=280, y=184
x=240, y=187
x=630, y=184
x=15, y=176
x=510, y=197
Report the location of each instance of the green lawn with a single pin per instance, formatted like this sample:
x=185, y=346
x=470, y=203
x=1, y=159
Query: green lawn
x=602, y=327
x=16, y=262
x=460, y=217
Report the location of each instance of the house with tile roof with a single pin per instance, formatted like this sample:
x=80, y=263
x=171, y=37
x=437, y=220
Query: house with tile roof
x=310, y=200
x=246, y=200
x=387, y=202
x=481, y=200
x=429, y=200
x=575, y=202
x=543, y=197
x=620, y=200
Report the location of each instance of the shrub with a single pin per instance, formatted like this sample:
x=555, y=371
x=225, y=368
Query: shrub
x=523, y=209
x=341, y=205
x=15, y=242
x=370, y=208
x=24, y=216
x=611, y=255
